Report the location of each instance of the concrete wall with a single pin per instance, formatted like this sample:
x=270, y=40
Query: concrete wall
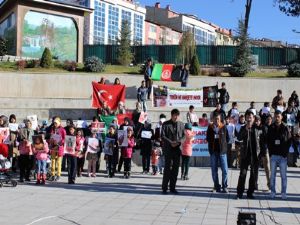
x=70, y=94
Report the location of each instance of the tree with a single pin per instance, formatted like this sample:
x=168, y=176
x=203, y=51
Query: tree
x=195, y=65
x=125, y=55
x=46, y=60
x=247, y=13
x=187, y=47
x=3, y=46
x=243, y=61
x=289, y=7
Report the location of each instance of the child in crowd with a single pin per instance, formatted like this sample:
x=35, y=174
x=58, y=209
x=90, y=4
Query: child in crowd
x=127, y=152
x=93, y=146
x=112, y=159
x=80, y=153
x=155, y=155
x=187, y=151
x=41, y=149
x=71, y=158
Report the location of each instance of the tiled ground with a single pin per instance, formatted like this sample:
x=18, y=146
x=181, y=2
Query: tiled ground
x=139, y=201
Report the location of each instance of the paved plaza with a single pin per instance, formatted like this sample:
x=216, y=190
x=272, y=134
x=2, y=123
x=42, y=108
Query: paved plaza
x=139, y=201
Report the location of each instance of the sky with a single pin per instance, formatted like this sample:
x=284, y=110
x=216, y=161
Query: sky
x=266, y=20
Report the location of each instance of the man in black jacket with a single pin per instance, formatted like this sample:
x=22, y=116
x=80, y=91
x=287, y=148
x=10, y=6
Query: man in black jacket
x=224, y=96
x=250, y=153
x=217, y=138
x=278, y=140
x=172, y=136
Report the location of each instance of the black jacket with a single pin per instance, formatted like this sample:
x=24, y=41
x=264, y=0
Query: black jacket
x=258, y=140
x=224, y=96
x=169, y=134
x=223, y=139
x=278, y=140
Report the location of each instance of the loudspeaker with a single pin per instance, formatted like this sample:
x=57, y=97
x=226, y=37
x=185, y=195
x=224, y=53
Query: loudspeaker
x=246, y=218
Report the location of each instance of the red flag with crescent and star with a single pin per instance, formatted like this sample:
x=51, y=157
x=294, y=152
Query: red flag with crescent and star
x=112, y=94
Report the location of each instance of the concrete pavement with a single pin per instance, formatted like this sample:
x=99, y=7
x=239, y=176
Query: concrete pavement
x=139, y=201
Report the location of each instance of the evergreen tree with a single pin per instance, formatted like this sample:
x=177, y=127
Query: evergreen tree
x=125, y=55
x=3, y=47
x=243, y=61
x=46, y=60
x=195, y=65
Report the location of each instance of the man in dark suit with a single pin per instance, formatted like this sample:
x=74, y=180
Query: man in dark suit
x=172, y=137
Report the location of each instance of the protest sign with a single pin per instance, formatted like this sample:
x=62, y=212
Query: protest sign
x=109, y=146
x=34, y=121
x=146, y=134
x=210, y=95
x=123, y=138
x=98, y=127
x=143, y=117
x=70, y=144
x=200, y=145
x=4, y=135
x=93, y=145
x=13, y=126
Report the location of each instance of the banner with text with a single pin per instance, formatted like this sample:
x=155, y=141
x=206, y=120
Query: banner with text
x=200, y=145
x=181, y=98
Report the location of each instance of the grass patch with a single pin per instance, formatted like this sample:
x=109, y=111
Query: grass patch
x=273, y=74
x=8, y=66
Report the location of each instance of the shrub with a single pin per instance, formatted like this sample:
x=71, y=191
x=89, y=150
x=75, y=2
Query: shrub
x=3, y=47
x=33, y=63
x=239, y=69
x=46, y=60
x=215, y=72
x=21, y=64
x=70, y=65
x=294, y=70
x=195, y=65
x=93, y=64
x=205, y=72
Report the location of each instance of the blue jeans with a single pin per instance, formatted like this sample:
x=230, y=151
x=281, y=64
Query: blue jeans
x=217, y=159
x=144, y=105
x=277, y=160
x=41, y=166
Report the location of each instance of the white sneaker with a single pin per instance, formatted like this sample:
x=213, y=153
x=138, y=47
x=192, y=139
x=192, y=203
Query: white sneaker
x=272, y=195
x=283, y=197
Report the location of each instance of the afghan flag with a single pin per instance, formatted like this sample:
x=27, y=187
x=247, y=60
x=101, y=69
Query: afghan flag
x=112, y=94
x=162, y=72
x=107, y=120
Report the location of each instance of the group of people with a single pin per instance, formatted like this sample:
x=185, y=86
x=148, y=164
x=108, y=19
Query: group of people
x=234, y=140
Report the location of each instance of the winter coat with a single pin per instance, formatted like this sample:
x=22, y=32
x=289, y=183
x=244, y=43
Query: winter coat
x=142, y=94
x=127, y=151
x=223, y=139
x=187, y=147
x=60, y=146
x=25, y=140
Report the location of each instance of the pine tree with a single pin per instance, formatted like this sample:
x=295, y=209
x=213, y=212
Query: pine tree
x=3, y=46
x=125, y=55
x=195, y=65
x=46, y=60
x=243, y=61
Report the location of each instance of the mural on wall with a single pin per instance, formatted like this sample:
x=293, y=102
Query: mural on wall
x=42, y=30
x=8, y=32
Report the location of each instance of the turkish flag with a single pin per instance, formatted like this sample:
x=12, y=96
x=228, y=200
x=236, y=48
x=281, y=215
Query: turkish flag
x=167, y=70
x=121, y=117
x=112, y=94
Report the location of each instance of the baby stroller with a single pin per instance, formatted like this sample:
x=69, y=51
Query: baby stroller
x=5, y=177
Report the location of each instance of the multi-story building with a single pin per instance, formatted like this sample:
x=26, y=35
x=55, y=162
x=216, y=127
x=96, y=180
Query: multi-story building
x=205, y=33
x=104, y=24
x=161, y=35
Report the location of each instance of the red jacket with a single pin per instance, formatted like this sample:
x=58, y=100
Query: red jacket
x=62, y=132
x=42, y=154
x=4, y=150
x=187, y=148
x=127, y=151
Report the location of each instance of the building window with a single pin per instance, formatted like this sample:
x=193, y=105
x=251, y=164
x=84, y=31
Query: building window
x=8, y=32
x=113, y=24
x=152, y=29
x=151, y=41
x=126, y=16
x=186, y=28
x=138, y=29
x=99, y=22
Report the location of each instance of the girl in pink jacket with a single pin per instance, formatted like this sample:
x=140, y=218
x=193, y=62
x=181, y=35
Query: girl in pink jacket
x=187, y=149
x=40, y=149
x=127, y=153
